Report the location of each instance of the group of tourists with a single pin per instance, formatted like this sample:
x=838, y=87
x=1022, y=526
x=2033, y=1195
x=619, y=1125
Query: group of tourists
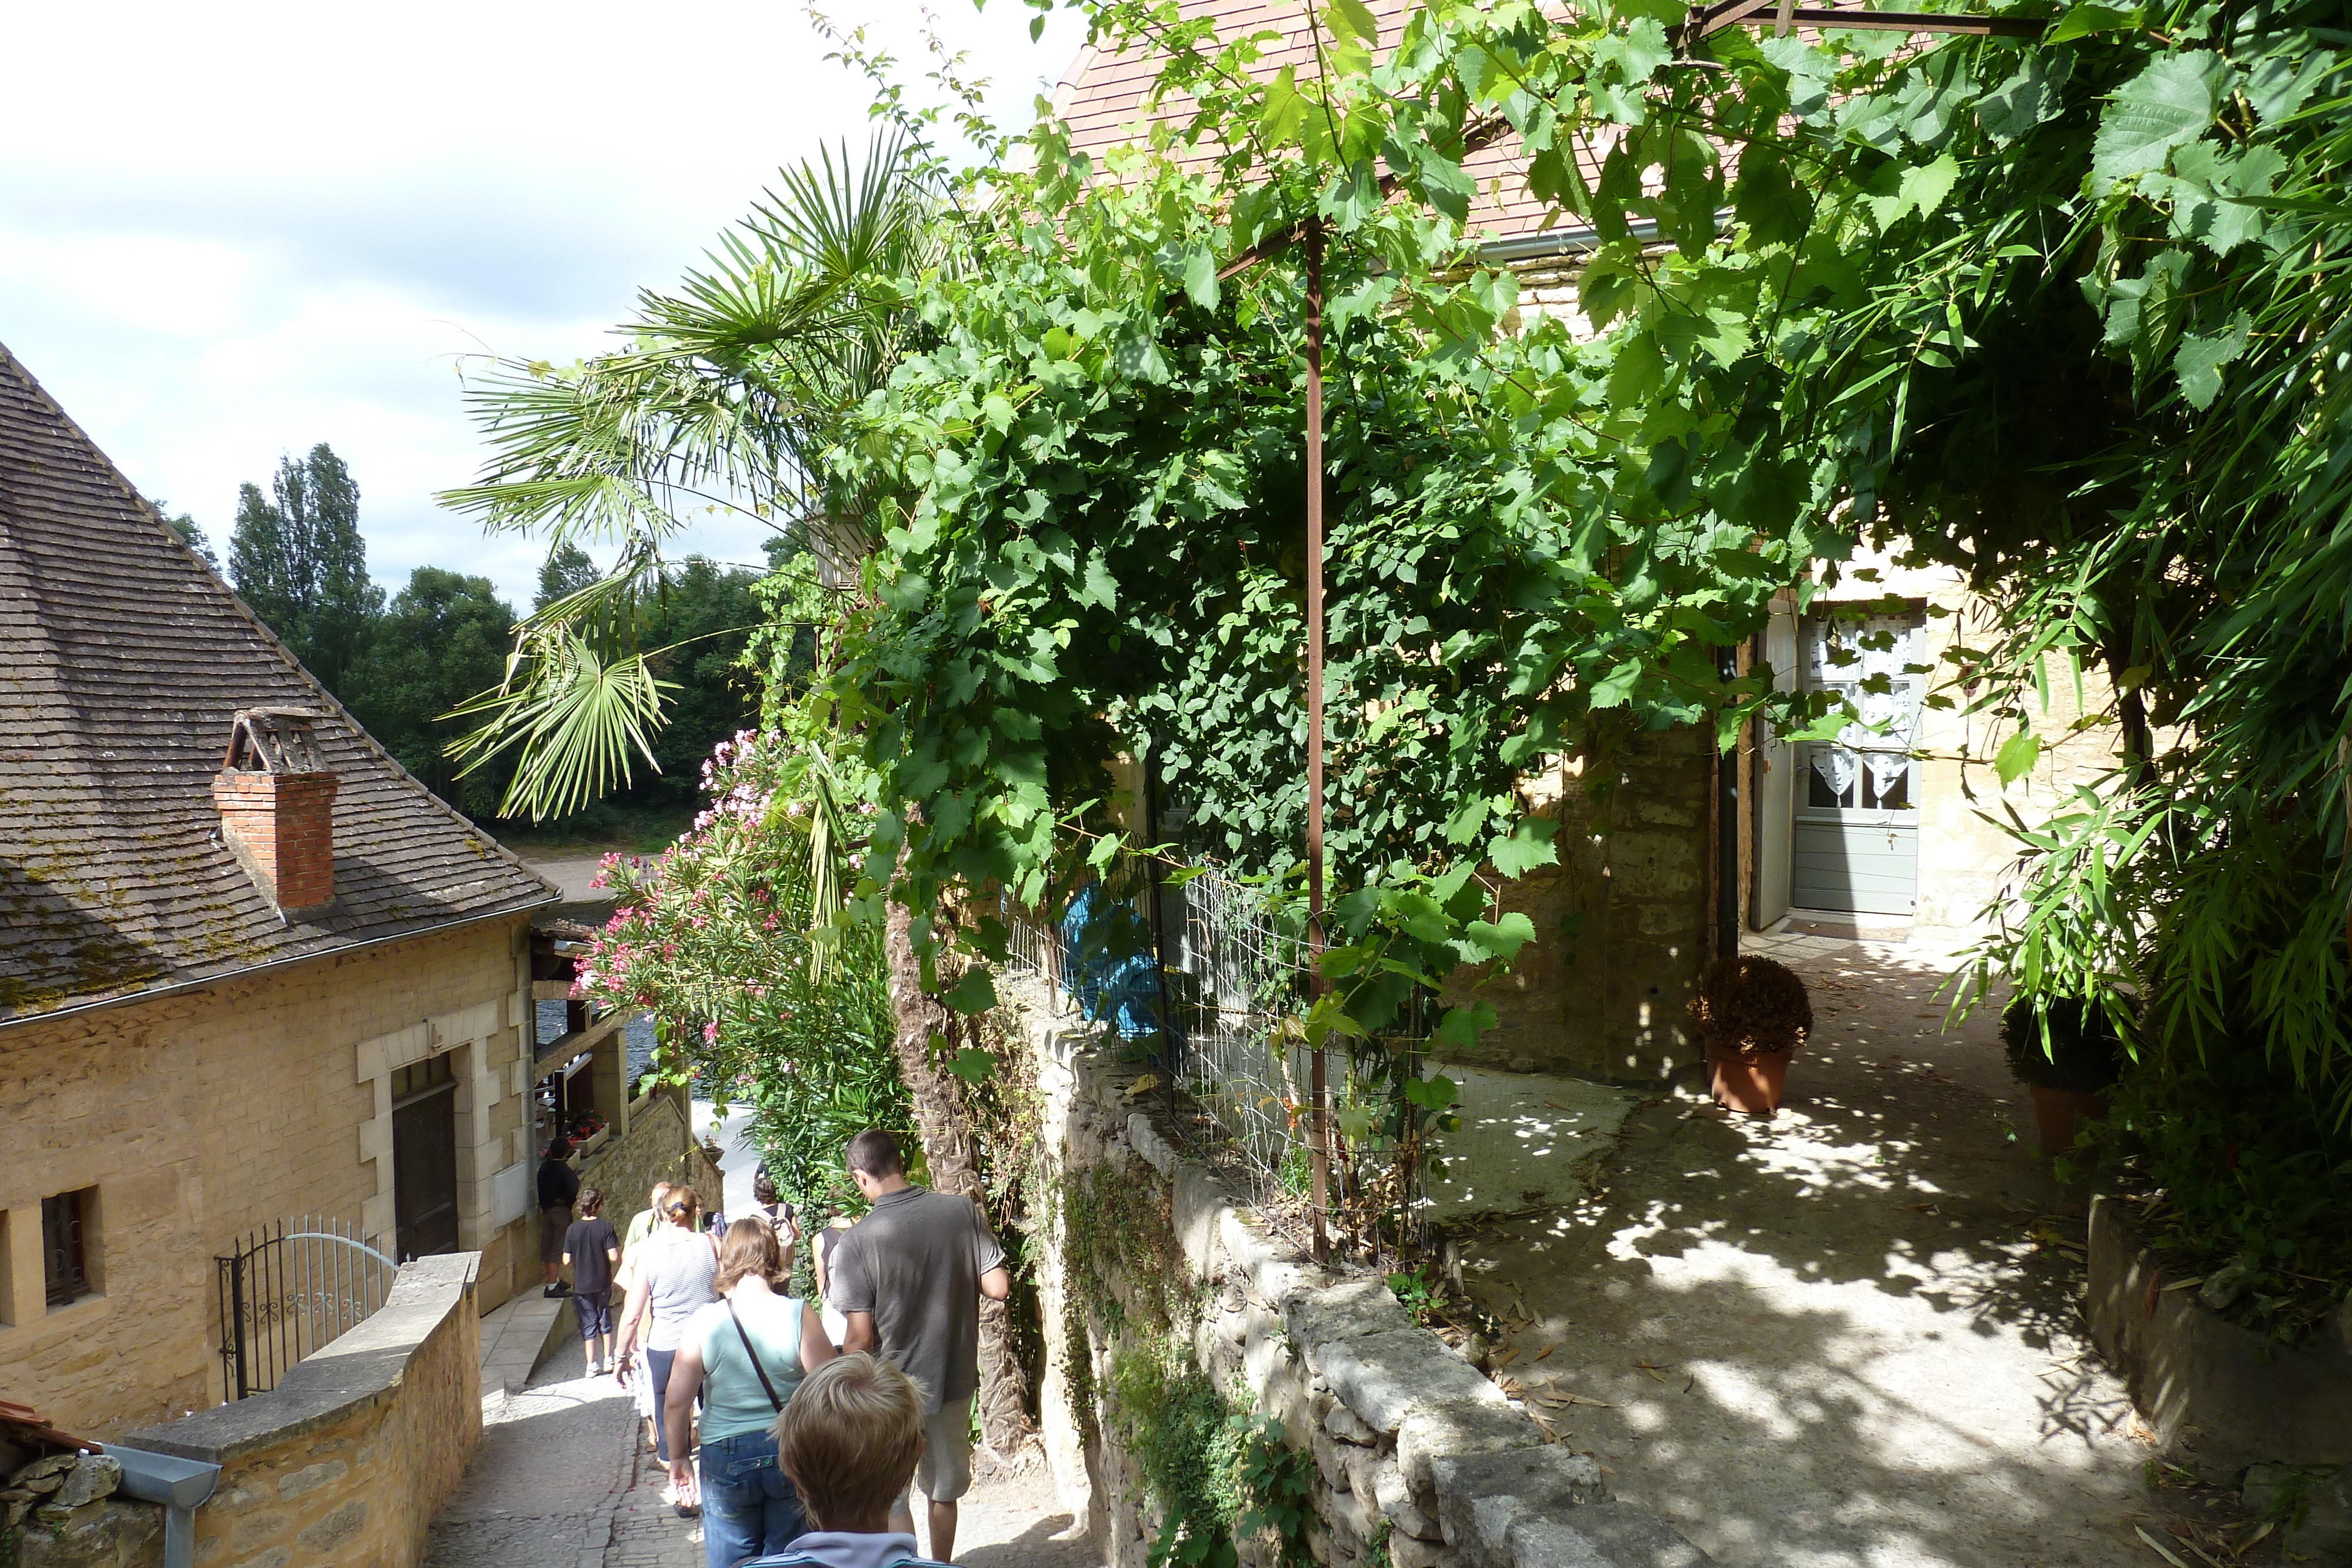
x=795, y=1428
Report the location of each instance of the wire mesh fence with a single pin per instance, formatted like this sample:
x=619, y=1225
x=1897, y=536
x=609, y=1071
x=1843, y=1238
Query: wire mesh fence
x=1227, y=967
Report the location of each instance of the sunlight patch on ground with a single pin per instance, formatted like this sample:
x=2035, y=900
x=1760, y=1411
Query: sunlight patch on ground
x=1908, y=1363
x=1526, y=1142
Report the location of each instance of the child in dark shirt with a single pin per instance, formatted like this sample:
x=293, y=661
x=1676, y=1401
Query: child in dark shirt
x=592, y=1250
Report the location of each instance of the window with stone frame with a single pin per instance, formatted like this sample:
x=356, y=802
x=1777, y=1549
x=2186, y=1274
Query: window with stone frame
x=70, y=1246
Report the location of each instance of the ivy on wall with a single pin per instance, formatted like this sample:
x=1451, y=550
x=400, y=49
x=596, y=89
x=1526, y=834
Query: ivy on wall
x=1216, y=1470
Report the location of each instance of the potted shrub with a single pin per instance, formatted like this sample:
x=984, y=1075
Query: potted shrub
x=1753, y=1014
x=2070, y=1074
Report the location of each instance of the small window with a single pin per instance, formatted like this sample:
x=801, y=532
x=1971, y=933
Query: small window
x=418, y=1077
x=66, y=1245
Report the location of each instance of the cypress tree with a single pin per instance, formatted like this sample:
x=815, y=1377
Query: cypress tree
x=566, y=570
x=300, y=561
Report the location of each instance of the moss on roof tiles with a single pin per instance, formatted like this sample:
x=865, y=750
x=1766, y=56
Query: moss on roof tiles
x=111, y=878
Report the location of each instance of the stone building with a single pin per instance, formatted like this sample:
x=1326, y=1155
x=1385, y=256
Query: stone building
x=1899, y=828
x=250, y=969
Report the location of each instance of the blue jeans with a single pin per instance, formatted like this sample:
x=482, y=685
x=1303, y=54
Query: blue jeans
x=749, y=1507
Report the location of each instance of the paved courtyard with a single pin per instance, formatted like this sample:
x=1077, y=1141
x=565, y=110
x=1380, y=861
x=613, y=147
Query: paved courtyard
x=1845, y=1338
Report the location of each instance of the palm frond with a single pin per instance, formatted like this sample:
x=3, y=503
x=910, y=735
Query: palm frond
x=575, y=715
x=828, y=847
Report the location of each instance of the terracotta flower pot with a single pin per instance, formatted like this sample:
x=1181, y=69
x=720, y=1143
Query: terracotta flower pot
x=2056, y=1112
x=1752, y=1085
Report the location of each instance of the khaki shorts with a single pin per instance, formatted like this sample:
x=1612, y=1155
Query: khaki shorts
x=944, y=1472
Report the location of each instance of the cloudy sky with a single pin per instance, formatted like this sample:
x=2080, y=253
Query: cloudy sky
x=259, y=227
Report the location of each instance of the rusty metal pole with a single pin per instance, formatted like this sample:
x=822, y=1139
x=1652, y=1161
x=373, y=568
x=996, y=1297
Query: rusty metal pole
x=1318, y=1128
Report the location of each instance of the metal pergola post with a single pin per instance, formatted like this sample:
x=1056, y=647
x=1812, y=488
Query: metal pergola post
x=1319, y=1133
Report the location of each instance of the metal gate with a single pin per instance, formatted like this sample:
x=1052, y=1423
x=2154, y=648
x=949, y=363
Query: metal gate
x=287, y=1289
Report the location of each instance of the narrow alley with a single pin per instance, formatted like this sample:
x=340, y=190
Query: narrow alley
x=560, y=1479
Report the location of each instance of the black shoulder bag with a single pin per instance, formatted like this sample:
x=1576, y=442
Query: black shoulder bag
x=754, y=1355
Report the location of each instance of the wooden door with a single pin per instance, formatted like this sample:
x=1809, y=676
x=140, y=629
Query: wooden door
x=424, y=1159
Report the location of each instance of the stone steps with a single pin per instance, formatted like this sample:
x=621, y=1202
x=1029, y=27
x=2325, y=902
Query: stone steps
x=517, y=1337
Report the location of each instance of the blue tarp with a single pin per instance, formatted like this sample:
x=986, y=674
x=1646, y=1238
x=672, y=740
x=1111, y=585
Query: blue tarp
x=1109, y=969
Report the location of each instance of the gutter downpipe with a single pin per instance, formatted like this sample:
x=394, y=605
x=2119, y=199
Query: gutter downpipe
x=182, y=1486
x=1581, y=240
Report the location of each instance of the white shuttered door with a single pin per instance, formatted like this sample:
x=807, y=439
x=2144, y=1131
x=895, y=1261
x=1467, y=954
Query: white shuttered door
x=1856, y=840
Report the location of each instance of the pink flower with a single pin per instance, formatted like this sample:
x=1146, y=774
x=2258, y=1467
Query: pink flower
x=711, y=1034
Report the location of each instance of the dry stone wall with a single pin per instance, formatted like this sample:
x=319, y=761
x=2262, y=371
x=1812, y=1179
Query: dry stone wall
x=658, y=1146
x=61, y=1511
x=1419, y=1461
x=1623, y=923
x=348, y=1460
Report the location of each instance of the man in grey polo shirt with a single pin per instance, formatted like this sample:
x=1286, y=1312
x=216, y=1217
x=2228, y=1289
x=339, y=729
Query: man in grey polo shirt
x=908, y=1277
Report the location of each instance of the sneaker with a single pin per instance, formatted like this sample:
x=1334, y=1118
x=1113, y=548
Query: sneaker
x=556, y=1291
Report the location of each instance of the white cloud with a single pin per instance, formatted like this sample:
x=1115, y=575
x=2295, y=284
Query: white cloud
x=269, y=225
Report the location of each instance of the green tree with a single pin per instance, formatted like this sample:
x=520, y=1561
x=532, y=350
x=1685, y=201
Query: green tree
x=703, y=615
x=731, y=388
x=444, y=637
x=566, y=570
x=188, y=529
x=298, y=560
x=2067, y=309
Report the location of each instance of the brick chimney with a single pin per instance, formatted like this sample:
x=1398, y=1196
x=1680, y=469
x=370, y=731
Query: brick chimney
x=277, y=802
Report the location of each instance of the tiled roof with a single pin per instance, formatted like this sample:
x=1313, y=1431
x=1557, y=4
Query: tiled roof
x=1100, y=100
x=122, y=658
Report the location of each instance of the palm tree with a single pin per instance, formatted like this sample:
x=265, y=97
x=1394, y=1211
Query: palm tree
x=722, y=396
x=725, y=394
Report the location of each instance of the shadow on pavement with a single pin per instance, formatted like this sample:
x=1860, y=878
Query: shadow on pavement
x=1844, y=1336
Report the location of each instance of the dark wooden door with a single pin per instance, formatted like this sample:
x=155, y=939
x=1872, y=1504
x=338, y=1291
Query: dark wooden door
x=425, y=1171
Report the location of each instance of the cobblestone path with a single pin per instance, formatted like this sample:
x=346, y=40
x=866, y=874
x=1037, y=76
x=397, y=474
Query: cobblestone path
x=559, y=1482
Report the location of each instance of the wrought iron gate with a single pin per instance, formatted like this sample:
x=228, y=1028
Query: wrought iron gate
x=287, y=1289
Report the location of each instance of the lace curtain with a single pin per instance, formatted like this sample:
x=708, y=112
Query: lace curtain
x=1881, y=743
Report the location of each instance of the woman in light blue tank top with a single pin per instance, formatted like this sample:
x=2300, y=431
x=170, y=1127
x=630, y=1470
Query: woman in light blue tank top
x=744, y=1355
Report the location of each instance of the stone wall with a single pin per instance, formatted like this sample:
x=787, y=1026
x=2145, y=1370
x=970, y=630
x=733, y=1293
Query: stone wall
x=658, y=1146
x=1147, y=1259
x=1621, y=923
x=112, y=1532
x=348, y=1460
x=60, y=1511
x=200, y=1116
x=2220, y=1397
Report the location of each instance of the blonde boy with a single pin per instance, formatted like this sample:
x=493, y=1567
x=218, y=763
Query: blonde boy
x=849, y=1439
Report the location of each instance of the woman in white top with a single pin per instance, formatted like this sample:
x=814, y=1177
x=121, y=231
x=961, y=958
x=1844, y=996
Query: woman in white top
x=744, y=1355
x=674, y=1278
x=836, y=1226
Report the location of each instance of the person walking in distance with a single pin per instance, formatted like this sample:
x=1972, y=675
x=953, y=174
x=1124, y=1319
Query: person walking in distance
x=744, y=1355
x=828, y=1237
x=593, y=1252
x=626, y=1288
x=768, y=1204
x=676, y=1279
x=559, y=1184
x=642, y=1223
x=908, y=1279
